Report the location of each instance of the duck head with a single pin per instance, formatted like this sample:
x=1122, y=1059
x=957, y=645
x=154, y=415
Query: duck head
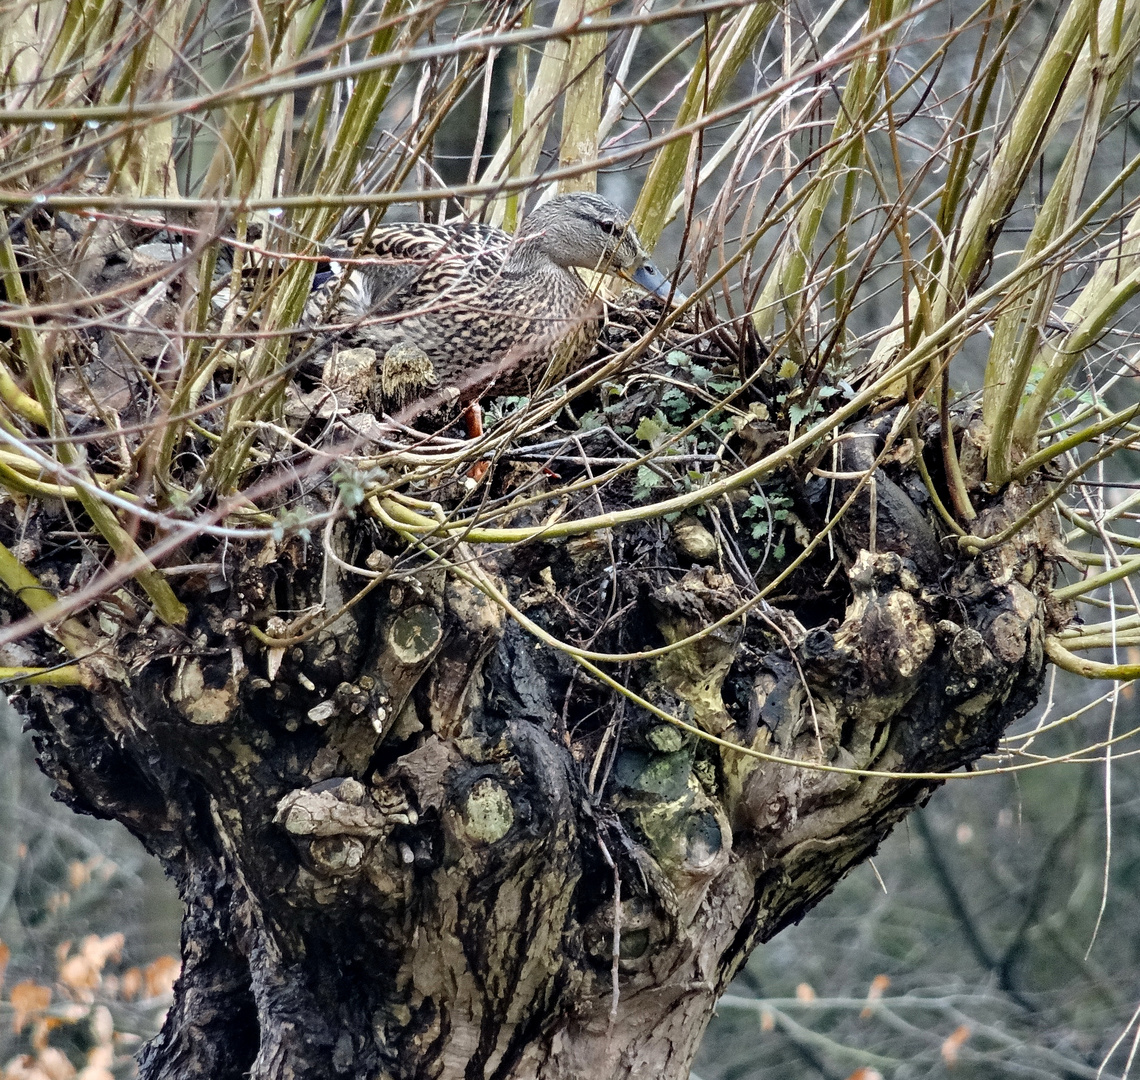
x=583, y=229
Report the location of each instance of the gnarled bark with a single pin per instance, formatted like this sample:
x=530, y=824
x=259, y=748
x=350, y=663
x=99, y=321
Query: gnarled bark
x=423, y=844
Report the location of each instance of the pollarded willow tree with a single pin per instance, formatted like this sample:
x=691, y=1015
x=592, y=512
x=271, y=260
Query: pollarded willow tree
x=496, y=756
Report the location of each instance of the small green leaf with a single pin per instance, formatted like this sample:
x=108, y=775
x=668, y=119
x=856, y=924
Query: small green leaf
x=789, y=369
x=649, y=430
x=646, y=481
x=676, y=403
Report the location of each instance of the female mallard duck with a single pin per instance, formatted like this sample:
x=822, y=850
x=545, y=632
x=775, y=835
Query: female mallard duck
x=472, y=309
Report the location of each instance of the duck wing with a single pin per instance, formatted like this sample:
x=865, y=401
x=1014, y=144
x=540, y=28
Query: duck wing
x=403, y=268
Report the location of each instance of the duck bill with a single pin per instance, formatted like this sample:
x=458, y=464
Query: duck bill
x=652, y=280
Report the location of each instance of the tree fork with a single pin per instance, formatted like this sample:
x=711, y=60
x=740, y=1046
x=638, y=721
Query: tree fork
x=421, y=844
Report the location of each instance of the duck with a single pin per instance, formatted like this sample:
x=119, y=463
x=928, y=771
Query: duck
x=463, y=310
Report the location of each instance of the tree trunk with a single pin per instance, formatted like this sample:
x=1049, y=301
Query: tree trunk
x=421, y=843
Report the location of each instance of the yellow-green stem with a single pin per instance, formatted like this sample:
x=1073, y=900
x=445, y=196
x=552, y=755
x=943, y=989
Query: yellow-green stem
x=166, y=605
x=38, y=598
x=582, y=106
x=668, y=168
x=1090, y=584
x=1093, y=431
x=63, y=675
x=1088, y=669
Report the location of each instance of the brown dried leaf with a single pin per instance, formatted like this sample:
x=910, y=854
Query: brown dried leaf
x=161, y=975
x=98, y=1067
x=102, y=1057
x=878, y=985
x=28, y=998
x=24, y=1067
x=952, y=1044
x=68, y=1012
x=130, y=984
x=42, y=1027
x=102, y=1029
x=79, y=974
x=94, y=1072
x=98, y=950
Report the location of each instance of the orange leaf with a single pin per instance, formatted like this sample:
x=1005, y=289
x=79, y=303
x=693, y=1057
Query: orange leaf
x=865, y=1072
x=28, y=998
x=767, y=1020
x=878, y=984
x=804, y=992
x=953, y=1044
x=79, y=973
x=130, y=984
x=5, y=956
x=160, y=976
x=98, y=950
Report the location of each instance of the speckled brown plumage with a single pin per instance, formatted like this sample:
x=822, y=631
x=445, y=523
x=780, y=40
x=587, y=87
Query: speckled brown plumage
x=487, y=311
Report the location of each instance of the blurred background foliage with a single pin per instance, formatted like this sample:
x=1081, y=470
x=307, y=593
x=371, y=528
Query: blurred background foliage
x=89, y=932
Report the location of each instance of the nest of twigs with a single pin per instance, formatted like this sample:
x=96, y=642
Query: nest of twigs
x=654, y=413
